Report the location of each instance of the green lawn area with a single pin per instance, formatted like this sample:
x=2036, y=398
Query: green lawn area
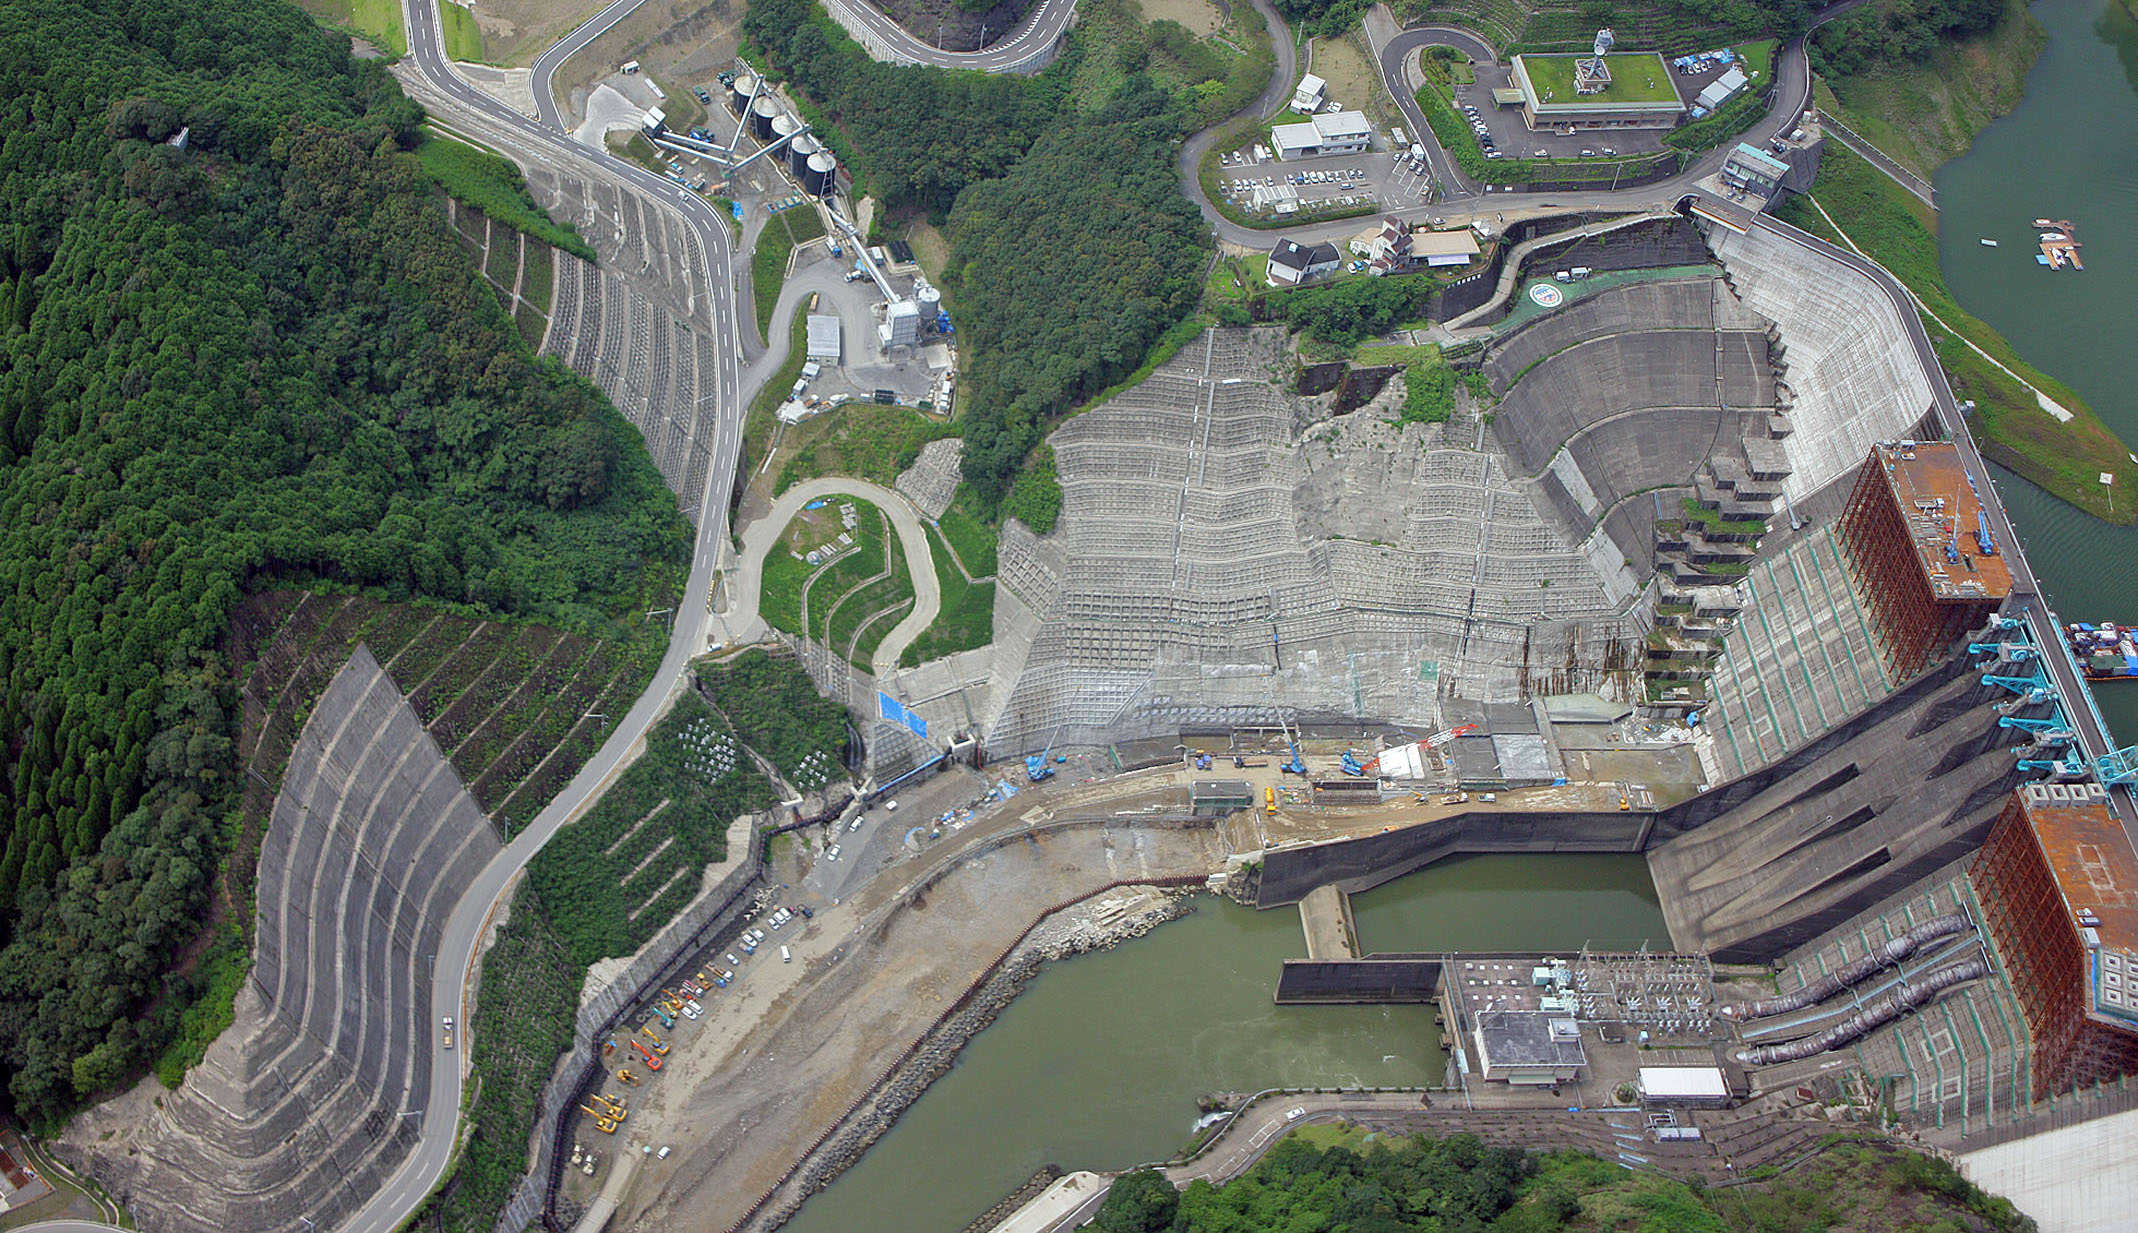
x=967, y=619
x=463, y=39
x=1892, y=227
x=494, y=186
x=969, y=534
x=1636, y=77
x=376, y=21
x=768, y=264
x=830, y=619
x=861, y=439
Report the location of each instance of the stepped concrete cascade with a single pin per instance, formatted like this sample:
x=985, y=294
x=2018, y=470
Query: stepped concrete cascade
x=1872, y=803
x=1228, y=550
x=296, y=1114
x=1849, y=373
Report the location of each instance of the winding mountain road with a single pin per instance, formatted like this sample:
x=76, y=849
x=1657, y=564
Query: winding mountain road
x=745, y=582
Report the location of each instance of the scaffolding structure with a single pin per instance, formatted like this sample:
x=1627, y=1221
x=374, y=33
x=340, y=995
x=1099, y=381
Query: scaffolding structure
x=1917, y=538
x=2033, y=877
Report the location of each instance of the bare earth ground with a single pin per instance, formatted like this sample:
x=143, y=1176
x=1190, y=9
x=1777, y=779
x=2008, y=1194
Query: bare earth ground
x=798, y=1044
x=681, y=43
x=1201, y=17
x=1353, y=80
x=516, y=31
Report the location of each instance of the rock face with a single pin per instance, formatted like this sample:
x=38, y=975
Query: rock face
x=294, y=1117
x=962, y=25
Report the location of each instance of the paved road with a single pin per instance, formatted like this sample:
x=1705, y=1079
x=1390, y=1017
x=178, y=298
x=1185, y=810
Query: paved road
x=547, y=64
x=534, y=142
x=1792, y=70
x=742, y=619
x=1035, y=35
x=1042, y=27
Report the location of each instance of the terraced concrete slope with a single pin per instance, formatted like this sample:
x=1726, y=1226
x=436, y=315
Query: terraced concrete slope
x=297, y=1114
x=1228, y=549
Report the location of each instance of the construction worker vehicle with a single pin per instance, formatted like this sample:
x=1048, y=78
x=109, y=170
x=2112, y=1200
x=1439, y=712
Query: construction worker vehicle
x=604, y=1125
x=625, y=1076
x=653, y=1060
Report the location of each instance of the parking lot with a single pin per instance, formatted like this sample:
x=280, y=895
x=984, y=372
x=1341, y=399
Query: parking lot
x=1513, y=138
x=1372, y=177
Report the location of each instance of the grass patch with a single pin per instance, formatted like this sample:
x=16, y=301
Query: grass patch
x=377, y=22
x=538, y=277
x=531, y=325
x=494, y=186
x=1636, y=77
x=1892, y=227
x=768, y=264
x=965, y=526
x=221, y=973
x=860, y=439
x=967, y=619
x=1736, y=116
x=463, y=38
x=835, y=608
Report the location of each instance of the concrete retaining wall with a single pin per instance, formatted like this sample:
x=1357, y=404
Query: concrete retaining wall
x=1372, y=979
x=1360, y=864
x=658, y=963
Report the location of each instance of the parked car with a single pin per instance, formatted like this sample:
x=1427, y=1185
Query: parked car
x=832, y=853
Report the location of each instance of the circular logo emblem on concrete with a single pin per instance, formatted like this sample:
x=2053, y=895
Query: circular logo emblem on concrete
x=1546, y=295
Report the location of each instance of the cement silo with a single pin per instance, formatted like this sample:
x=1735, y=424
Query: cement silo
x=761, y=118
x=739, y=92
x=798, y=154
x=822, y=174
x=784, y=125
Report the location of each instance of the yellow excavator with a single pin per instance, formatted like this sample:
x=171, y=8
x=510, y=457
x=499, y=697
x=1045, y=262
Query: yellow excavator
x=604, y=1125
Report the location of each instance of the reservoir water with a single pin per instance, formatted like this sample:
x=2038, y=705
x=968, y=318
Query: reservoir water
x=1099, y=1063
x=2068, y=151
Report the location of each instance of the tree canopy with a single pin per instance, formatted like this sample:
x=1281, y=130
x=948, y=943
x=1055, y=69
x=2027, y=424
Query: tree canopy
x=256, y=354
x=1073, y=248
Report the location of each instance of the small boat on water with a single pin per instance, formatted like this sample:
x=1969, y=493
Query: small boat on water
x=1989, y=243
x=2105, y=652
x=2059, y=244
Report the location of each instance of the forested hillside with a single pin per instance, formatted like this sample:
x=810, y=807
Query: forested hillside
x=1073, y=246
x=256, y=354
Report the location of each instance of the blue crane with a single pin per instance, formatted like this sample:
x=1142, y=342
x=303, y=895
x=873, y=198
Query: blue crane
x=1036, y=767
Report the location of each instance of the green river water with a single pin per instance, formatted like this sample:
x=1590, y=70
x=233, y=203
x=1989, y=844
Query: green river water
x=2069, y=151
x=1099, y=1063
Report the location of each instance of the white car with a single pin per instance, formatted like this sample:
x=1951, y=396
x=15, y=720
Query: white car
x=1293, y=1115
x=692, y=1009
x=832, y=853
x=855, y=825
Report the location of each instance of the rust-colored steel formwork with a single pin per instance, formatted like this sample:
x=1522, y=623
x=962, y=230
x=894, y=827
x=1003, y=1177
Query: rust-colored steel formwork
x=1903, y=530
x=2038, y=870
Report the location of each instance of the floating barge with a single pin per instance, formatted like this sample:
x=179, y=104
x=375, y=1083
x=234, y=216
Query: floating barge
x=2059, y=244
x=2104, y=652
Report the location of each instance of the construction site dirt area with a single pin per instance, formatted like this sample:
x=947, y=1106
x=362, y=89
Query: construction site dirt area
x=1200, y=17
x=679, y=43
x=516, y=31
x=788, y=1050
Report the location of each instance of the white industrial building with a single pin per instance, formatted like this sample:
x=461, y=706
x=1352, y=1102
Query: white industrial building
x=1335, y=132
x=1684, y=1085
x=1292, y=263
x=1720, y=90
x=823, y=338
x=901, y=325
x=1308, y=97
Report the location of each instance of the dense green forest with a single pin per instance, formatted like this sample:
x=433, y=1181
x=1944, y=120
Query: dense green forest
x=1073, y=248
x=1335, y=1178
x=259, y=355
x=1907, y=30
x=778, y=712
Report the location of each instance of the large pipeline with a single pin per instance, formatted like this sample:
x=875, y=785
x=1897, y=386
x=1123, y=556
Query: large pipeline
x=1879, y=1010
x=1854, y=971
